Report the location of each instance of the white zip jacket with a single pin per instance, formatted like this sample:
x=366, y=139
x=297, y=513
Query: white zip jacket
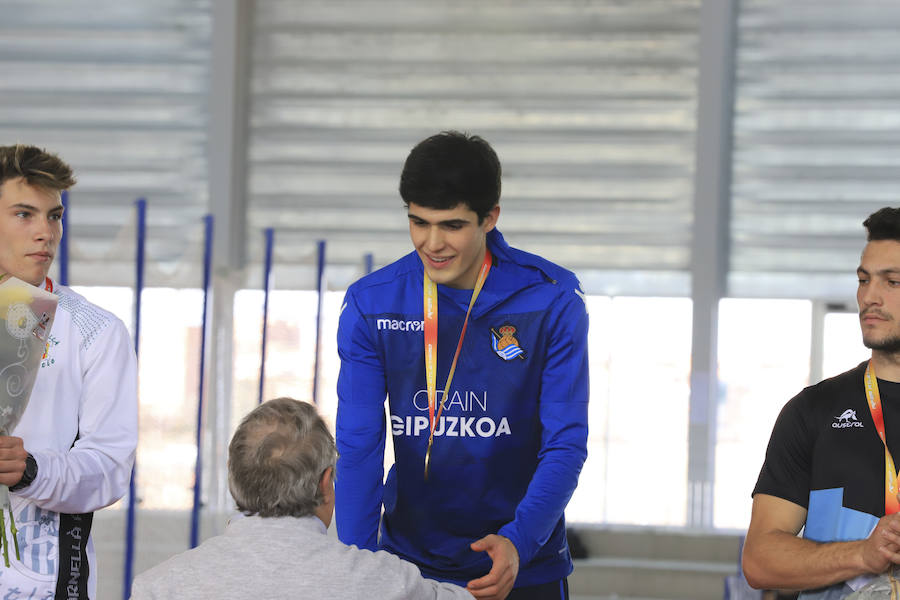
x=81, y=427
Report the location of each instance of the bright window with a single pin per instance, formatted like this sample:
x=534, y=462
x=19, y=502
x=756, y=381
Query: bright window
x=169, y=368
x=763, y=362
x=640, y=352
x=290, y=349
x=842, y=348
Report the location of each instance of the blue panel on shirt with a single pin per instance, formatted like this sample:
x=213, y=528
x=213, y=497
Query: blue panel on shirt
x=828, y=520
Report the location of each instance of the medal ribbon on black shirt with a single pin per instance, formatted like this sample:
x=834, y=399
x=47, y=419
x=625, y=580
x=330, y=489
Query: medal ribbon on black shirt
x=430, y=316
x=891, y=503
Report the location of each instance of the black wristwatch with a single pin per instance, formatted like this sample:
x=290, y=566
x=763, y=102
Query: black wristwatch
x=28, y=476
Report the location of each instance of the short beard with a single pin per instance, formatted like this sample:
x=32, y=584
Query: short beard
x=889, y=345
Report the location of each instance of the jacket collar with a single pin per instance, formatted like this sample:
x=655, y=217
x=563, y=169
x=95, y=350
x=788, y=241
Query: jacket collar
x=509, y=275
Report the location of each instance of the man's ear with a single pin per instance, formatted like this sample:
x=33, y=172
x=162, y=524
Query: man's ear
x=326, y=486
x=490, y=219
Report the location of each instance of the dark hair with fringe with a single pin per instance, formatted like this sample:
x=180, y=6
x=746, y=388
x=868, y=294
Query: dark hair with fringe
x=36, y=166
x=449, y=169
x=883, y=224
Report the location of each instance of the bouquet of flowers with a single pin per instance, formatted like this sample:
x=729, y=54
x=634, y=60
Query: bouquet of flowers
x=26, y=316
x=883, y=587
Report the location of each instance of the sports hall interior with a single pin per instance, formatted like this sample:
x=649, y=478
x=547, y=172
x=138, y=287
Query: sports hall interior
x=703, y=166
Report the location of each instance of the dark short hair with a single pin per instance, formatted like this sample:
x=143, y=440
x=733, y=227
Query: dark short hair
x=36, y=166
x=449, y=169
x=883, y=224
x=277, y=457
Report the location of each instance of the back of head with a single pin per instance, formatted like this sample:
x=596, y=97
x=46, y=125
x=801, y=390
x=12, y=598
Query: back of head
x=449, y=169
x=36, y=166
x=277, y=457
x=883, y=224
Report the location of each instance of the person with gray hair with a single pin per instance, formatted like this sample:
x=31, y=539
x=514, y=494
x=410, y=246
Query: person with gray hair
x=277, y=461
x=281, y=474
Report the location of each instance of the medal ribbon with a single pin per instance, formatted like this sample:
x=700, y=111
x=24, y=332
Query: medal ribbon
x=430, y=316
x=891, y=503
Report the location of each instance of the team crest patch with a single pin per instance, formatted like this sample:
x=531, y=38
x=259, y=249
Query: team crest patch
x=505, y=344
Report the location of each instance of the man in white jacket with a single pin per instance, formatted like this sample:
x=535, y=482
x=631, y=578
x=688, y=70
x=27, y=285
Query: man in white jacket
x=281, y=474
x=73, y=450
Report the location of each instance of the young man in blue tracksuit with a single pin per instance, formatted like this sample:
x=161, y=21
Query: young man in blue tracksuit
x=485, y=463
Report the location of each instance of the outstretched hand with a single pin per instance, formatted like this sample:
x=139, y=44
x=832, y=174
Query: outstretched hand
x=497, y=584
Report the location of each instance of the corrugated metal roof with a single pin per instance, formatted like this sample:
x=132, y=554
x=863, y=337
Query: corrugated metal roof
x=120, y=91
x=590, y=106
x=816, y=143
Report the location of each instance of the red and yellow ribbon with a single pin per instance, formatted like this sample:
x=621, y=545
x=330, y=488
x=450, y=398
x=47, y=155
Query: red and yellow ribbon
x=891, y=503
x=430, y=316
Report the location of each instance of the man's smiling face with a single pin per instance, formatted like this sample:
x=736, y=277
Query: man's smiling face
x=450, y=242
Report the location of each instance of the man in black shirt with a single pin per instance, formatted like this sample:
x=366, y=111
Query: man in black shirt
x=829, y=466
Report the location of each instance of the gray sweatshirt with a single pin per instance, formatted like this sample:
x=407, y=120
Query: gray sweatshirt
x=285, y=557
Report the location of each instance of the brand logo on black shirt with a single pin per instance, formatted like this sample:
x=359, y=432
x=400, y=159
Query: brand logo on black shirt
x=846, y=419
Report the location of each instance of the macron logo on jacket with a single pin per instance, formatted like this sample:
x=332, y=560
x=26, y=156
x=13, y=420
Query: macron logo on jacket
x=397, y=325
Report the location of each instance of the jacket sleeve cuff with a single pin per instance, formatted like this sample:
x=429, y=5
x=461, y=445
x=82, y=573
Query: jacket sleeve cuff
x=526, y=552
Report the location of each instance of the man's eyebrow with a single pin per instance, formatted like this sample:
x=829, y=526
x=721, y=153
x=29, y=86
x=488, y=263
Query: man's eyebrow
x=447, y=222
x=888, y=271
x=23, y=206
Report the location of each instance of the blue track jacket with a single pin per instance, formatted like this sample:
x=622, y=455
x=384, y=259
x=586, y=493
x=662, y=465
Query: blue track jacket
x=512, y=438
